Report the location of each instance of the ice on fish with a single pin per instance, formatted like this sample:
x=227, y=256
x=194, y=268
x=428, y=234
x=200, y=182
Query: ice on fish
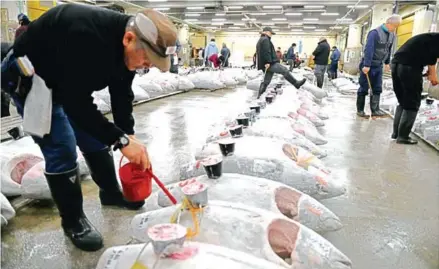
x=263, y=157
x=193, y=255
x=261, y=193
x=311, y=117
x=316, y=91
x=254, y=231
x=315, y=109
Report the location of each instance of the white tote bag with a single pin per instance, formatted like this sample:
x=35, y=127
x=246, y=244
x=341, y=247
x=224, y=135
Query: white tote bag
x=37, y=117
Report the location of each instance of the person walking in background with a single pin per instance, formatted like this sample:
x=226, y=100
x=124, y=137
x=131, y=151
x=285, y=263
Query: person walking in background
x=321, y=56
x=225, y=52
x=407, y=66
x=200, y=56
x=24, y=22
x=210, y=50
x=254, y=61
x=291, y=56
x=174, y=59
x=5, y=98
x=267, y=61
x=376, y=52
x=335, y=57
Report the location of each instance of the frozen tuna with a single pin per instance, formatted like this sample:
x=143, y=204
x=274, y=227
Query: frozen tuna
x=311, y=116
x=254, y=231
x=314, y=108
x=263, y=157
x=316, y=91
x=261, y=193
x=191, y=256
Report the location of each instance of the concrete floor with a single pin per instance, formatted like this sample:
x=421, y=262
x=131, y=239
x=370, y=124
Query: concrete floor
x=390, y=212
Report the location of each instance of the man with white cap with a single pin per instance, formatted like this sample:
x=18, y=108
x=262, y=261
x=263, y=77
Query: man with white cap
x=76, y=50
x=266, y=59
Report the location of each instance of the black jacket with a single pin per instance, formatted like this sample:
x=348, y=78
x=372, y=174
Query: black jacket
x=266, y=54
x=321, y=53
x=76, y=50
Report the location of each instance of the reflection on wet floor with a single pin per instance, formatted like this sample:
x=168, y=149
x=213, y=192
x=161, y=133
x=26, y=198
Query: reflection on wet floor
x=390, y=211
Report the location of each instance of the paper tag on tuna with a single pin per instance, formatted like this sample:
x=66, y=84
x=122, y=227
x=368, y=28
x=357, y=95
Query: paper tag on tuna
x=113, y=258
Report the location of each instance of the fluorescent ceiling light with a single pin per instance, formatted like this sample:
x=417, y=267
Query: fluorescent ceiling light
x=218, y=19
x=279, y=19
x=217, y=23
x=310, y=19
x=191, y=20
x=309, y=27
x=239, y=24
x=281, y=22
x=258, y=14
x=330, y=14
x=336, y=27
x=320, y=30
x=157, y=0
x=234, y=27
x=313, y=7
x=161, y=8
x=268, y=23
x=220, y=14
x=195, y=8
x=296, y=23
x=245, y=19
x=314, y=10
x=358, y=6
x=192, y=14
x=293, y=14
x=271, y=7
x=235, y=7
x=344, y=19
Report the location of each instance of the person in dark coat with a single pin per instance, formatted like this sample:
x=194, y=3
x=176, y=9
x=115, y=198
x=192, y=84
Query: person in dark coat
x=76, y=50
x=24, y=22
x=174, y=59
x=321, y=56
x=335, y=57
x=376, y=52
x=407, y=66
x=225, y=53
x=267, y=61
x=6, y=100
x=291, y=56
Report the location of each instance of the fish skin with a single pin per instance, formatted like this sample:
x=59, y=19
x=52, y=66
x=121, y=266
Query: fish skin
x=245, y=229
x=257, y=192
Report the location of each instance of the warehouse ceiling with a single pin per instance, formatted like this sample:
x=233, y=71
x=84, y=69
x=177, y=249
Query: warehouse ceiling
x=309, y=16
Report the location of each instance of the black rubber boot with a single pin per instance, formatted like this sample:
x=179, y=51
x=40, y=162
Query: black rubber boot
x=375, y=106
x=103, y=173
x=262, y=89
x=67, y=194
x=361, y=102
x=396, y=121
x=296, y=83
x=408, y=118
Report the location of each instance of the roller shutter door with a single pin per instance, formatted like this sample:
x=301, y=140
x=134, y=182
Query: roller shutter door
x=405, y=30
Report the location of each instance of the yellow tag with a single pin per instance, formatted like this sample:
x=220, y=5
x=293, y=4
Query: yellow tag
x=138, y=265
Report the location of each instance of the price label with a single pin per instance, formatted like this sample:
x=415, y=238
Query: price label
x=114, y=257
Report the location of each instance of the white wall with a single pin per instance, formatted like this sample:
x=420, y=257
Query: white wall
x=246, y=42
x=380, y=12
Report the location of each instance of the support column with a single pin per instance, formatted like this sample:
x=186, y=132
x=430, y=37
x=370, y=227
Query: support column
x=353, y=49
x=379, y=14
x=183, y=38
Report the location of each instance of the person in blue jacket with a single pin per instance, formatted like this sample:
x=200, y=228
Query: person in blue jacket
x=335, y=57
x=291, y=56
x=376, y=52
x=210, y=50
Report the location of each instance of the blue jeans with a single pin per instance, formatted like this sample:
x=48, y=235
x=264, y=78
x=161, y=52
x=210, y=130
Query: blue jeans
x=59, y=147
x=376, y=80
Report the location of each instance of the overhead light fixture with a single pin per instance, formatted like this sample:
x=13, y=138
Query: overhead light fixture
x=234, y=27
x=235, y=7
x=310, y=19
x=309, y=27
x=192, y=14
x=330, y=14
x=258, y=14
x=358, y=6
x=271, y=7
x=195, y=8
x=191, y=20
x=279, y=19
x=268, y=23
x=217, y=23
x=296, y=23
x=344, y=19
x=161, y=8
x=293, y=14
x=220, y=14
x=314, y=10
x=157, y=0
x=320, y=30
x=250, y=19
x=336, y=27
x=218, y=19
x=313, y=7
x=239, y=24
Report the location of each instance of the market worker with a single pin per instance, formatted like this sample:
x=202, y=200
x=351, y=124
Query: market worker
x=267, y=61
x=76, y=50
x=376, y=52
x=407, y=66
x=321, y=58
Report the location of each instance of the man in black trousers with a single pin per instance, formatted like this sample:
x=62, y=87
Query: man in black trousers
x=267, y=61
x=407, y=66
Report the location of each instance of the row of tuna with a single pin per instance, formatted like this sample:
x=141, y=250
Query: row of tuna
x=249, y=199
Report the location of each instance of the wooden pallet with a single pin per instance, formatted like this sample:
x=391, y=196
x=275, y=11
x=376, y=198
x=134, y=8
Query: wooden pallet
x=7, y=123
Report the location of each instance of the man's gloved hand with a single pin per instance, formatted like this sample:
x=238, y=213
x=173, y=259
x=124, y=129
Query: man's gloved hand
x=17, y=75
